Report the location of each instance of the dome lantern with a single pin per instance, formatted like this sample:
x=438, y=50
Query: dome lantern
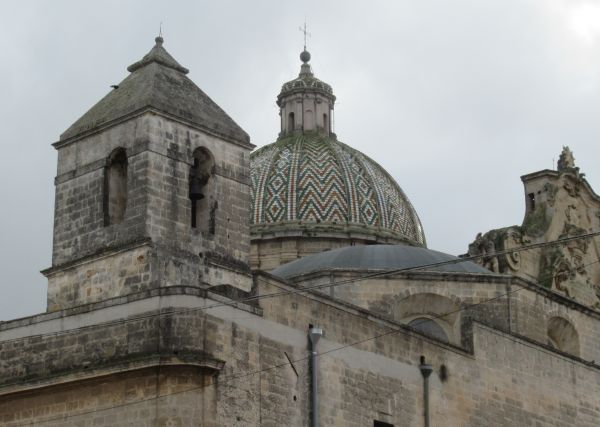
x=305, y=103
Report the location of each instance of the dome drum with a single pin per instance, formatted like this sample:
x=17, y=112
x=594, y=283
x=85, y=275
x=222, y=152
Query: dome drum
x=305, y=113
x=354, y=232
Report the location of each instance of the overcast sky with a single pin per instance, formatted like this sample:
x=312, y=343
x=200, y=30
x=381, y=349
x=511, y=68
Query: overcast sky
x=456, y=99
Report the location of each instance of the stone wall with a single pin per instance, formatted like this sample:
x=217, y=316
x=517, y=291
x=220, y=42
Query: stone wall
x=169, y=396
x=158, y=212
x=368, y=368
x=78, y=213
x=516, y=305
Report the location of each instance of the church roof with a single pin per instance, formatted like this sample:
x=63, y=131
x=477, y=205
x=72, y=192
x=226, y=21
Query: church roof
x=377, y=257
x=159, y=82
x=313, y=183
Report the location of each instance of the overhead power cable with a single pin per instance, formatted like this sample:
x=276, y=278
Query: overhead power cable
x=224, y=379
x=304, y=289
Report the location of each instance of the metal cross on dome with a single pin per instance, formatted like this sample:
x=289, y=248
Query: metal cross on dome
x=306, y=33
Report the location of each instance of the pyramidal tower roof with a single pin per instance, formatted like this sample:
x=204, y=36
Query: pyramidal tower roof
x=158, y=82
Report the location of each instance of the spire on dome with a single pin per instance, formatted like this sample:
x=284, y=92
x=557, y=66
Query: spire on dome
x=305, y=69
x=306, y=103
x=305, y=55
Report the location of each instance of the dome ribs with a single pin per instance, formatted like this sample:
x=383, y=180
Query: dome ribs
x=364, y=197
x=293, y=180
x=261, y=165
x=277, y=187
x=315, y=184
x=320, y=184
x=351, y=194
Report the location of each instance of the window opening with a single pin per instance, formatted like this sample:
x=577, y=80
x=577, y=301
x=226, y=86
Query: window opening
x=381, y=424
x=201, y=191
x=531, y=199
x=291, y=124
x=115, y=187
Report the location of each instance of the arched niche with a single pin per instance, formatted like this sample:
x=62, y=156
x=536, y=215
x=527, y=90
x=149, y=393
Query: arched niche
x=563, y=336
x=202, y=191
x=115, y=187
x=309, y=120
x=432, y=314
x=429, y=327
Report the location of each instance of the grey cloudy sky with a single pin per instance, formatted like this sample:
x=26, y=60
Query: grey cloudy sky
x=456, y=99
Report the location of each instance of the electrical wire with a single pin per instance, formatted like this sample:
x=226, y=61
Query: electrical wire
x=301, y=290
x=222, y=380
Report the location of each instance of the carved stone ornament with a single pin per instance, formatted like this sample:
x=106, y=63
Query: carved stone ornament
x=514, y=239
x=566, y=160
x=484, y=245
x=563, y=274
x=564, y=269
x=572, y=188
x=488, y=244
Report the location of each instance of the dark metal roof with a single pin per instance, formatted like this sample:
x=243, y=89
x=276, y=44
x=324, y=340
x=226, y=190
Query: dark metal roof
x=159, y=82
x=376, y=257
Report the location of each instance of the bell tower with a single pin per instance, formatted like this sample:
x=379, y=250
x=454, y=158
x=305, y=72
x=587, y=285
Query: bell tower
x=152, y=191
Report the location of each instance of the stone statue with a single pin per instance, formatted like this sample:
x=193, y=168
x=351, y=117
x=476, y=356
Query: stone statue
x=566, y=160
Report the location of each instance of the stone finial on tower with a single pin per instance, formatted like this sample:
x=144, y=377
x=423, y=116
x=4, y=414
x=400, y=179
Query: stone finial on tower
x=305, y=70
x=566, y=160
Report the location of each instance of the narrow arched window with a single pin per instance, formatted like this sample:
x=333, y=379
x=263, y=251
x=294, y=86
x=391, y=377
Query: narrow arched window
x=115, y=187
x=202, y=197
x=291, y=123
x=325, y=123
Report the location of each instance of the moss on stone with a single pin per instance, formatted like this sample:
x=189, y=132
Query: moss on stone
x=550, y=257
x=536, y=223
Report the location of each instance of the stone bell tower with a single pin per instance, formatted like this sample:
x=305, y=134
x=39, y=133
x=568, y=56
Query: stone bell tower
x=152, y=191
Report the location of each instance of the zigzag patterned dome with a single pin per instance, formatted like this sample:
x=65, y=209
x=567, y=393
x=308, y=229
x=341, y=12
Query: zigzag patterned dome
x=314, y=184
x=312, y=193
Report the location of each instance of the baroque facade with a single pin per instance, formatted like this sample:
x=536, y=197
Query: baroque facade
x=196, y=282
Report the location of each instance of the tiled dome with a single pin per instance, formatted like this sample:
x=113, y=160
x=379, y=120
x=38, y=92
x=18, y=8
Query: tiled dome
x=314, y=183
